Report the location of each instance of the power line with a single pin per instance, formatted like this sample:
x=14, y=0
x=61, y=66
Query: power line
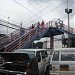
x=25, y=8
x=47, y=7
x=35, y=9
x=8, y=26
x=30, y=21
x=35, y=14
x=7, y=17
x=28, y=9
x=47, y=1
x=40, y=6
x=58, y=6
x=50, y=9
x=6, y=22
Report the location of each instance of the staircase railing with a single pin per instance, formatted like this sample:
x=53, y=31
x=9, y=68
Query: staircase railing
x=26, y=38
x=17, y=41
x=65, y=27
x=20, y=41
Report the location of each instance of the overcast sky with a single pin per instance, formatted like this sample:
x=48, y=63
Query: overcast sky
x=31, y=11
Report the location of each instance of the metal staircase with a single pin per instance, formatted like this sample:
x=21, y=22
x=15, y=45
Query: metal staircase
x=14, y=41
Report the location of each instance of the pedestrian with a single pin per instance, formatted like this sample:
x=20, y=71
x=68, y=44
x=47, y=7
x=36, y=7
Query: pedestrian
x=33, y=66
x=38, y=28
x=32, y=26
x=61, y=25
x=42, y=23
x=56, y=24
x=38, y=24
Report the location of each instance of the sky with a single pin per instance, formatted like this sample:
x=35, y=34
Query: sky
x=31, y=11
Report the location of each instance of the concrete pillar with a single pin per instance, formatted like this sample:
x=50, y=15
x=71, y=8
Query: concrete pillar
x=51, y=42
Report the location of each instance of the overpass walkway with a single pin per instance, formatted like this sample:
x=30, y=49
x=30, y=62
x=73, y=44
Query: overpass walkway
x=16, y=40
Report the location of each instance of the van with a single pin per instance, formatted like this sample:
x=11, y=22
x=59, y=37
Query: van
x=63, y=61
x=17, y=60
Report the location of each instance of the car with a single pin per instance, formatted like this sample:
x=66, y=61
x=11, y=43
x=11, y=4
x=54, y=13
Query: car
x=63, y=62
x=18, y=60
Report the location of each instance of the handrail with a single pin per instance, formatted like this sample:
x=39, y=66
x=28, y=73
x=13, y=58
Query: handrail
x=65, y=27
x=24, y=39
x=20, y=41
x=17, y=41
x=6, y=22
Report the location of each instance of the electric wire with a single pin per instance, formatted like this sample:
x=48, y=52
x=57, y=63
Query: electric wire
x=25, y=8
x=8, y=26
x=46, y=7
x=7, y=17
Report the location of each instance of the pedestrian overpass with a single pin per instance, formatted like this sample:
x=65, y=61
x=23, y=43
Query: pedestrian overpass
x=15, y=41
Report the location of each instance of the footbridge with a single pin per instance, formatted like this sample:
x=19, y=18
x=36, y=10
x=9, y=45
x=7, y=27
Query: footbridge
x=24, y=37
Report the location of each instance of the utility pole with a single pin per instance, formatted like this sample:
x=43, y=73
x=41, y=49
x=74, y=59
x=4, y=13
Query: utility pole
x=68, y=11
x=46, y=42
x=7, y=27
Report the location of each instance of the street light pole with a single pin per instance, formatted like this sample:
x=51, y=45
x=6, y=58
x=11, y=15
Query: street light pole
x=46, y=42
x=68, y=11
x=69, y=31
x=7, y=27
x=68, y=25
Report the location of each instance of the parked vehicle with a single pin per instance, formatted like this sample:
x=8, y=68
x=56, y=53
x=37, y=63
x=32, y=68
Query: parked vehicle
x=16, y=62
x=63, y=62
